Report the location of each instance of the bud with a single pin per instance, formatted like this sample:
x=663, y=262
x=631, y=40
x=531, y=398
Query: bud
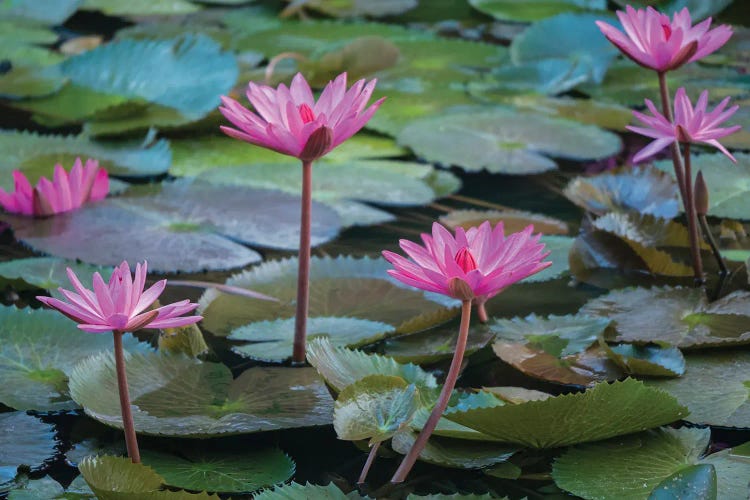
x=460, y=289
x=317, y=144
x=465, y=260
x=701, y=194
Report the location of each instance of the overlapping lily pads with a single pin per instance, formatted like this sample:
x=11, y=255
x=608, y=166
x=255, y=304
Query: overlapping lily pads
x=533, y=10
x=455, y=453
x=26, y=441
x=435, y=344
x=174, y=395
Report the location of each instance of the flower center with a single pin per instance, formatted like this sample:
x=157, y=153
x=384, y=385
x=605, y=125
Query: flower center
x=667, y=30
x=465, y=260
x=306, y=113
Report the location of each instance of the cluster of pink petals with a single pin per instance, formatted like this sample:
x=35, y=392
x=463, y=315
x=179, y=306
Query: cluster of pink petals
x=121, y=305
x=481, y=257
x=652, y=40
x=690, y=124
x=287, y=117
x=65, y=192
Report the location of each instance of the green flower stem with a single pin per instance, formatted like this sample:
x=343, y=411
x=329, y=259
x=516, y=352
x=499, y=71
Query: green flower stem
x=450, y=383
x=368, y=463
x=303, y=273
x=131, y=441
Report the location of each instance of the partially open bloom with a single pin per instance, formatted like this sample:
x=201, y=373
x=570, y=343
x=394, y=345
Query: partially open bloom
x=290, y=121
x=121, y=305
x=65, y=192
x=690, y=124
x=474, y=265
x=652, y=40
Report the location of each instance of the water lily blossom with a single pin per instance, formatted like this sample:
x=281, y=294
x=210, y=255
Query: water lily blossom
x=655, y=41
x=290, y=121
x=121, y=306
x=690, y=124
x=471, y=266
x=65, y=192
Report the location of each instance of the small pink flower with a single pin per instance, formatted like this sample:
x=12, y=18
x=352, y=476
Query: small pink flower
x=475, y=264
x=690, y=124
x=290, y=121
x=653, y=41
x=122, y=305
x=64, y=193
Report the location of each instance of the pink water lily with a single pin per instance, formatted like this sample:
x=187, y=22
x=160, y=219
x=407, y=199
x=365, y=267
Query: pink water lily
x=290, y=120
x=691, y=124
x=65, y=192
x=122, y=305
x=652, y=40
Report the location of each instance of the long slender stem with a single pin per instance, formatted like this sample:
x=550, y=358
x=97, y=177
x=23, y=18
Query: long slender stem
x=450, y=383
x=712, y=243
x=303, y=272
x=368, y=463
x=666, y=106
x=692, y=219
x=131, y=441
x=482, y=312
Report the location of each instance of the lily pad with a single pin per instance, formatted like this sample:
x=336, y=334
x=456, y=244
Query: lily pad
x=38, y=350
x=272, y=340
x=645, y=190
x=651, y=465
x=682, y=317
x=222, y=471
x=513, y=220
x=455, y=453
x=47, y=488
x=26, y=440
x=503, y=140
x=141, y=7
x=357, y=8
x=649, y=360
x=30, y=81
x=604, y=411
x=47, y=273
x=374, y=407
x=344, y=287
x=44, y=11
x=296, y=491
x=559, y=248
x=533, y=10
x=435, y=344
x=174, y=395
x=183, y=340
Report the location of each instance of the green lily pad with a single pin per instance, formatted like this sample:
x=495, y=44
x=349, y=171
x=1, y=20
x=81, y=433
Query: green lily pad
x=502, y=140
x=272, y=340
x=47, y=488
x=459, y=496
x=43, y=11
x=38, y=350
x=344, y=287
x=374, y=407
x=72, y=104
x=353, y=8
x=460, y=401
x=602, y=114
x=196, y=71
x=435, y=344
x=649, y=360
x=714, y=388
x=117, y=478
x=513, y=220
x=682, y=317
x=516, y=395
x=221, y=471
x=645, y=190
x=559, y=248
x=183, y=340
x=47, y=273
x=533, y=10
x=174, y=395
x=652, y=465
x=30, y=81
x=296, y=491
x=22, y=43
x=604, y=411
x=26, y=441
x=141, y=7
x=455, y=453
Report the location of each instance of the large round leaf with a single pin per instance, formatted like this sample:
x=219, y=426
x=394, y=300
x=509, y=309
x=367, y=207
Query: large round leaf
x=435, y=344
x=38, y=350
x=503, y=140
x=175, y=395
x=48, y=273
x=533, y=10
x=24, y=440
x=344, y=286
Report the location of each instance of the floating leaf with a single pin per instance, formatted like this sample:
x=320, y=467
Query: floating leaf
x=273, y=340
x=48, y=273
x=141, y=7
x=533, y=10
x=602, y=114
x=30, y=81
x=559, y=248
x=682, y=317
x=645, y=190
x=604, y=411
x=502, y=140
x=358, y=8
x=175, y=395
x=38, y=350
x=344, y=286
x=458, y=496
x=651, y=465
x=47, y=488
x=455, y=453
x=649, y=360
x=435, y=344
x=223, y=472
x=26, y=441
x=184, y=339
x=460, y=401
x=72, y=104
x=296, y=491
x=513, y=220
x=44, y=11
x=516, y=395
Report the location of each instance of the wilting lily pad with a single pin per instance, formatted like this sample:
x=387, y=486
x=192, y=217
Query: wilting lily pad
x=174, y=395
x=714, y=387
x=644, y=190
x=455, y=453
x=435, y=344
x=682, y=317
x=651, y=465
x=533, y=10
x=344, y=286
x=503, y=140
x=26, y=440
x=272, y=340
x=604, y=411
x=374, y=407
x=223, y=472
x=38, y=350
x=513, y=220
x=296, y=491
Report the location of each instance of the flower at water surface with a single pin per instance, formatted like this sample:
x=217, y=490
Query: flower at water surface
x=690, y=124
x=652, y=40
x=66, y=191
x=121, y=305
x=290, y=121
